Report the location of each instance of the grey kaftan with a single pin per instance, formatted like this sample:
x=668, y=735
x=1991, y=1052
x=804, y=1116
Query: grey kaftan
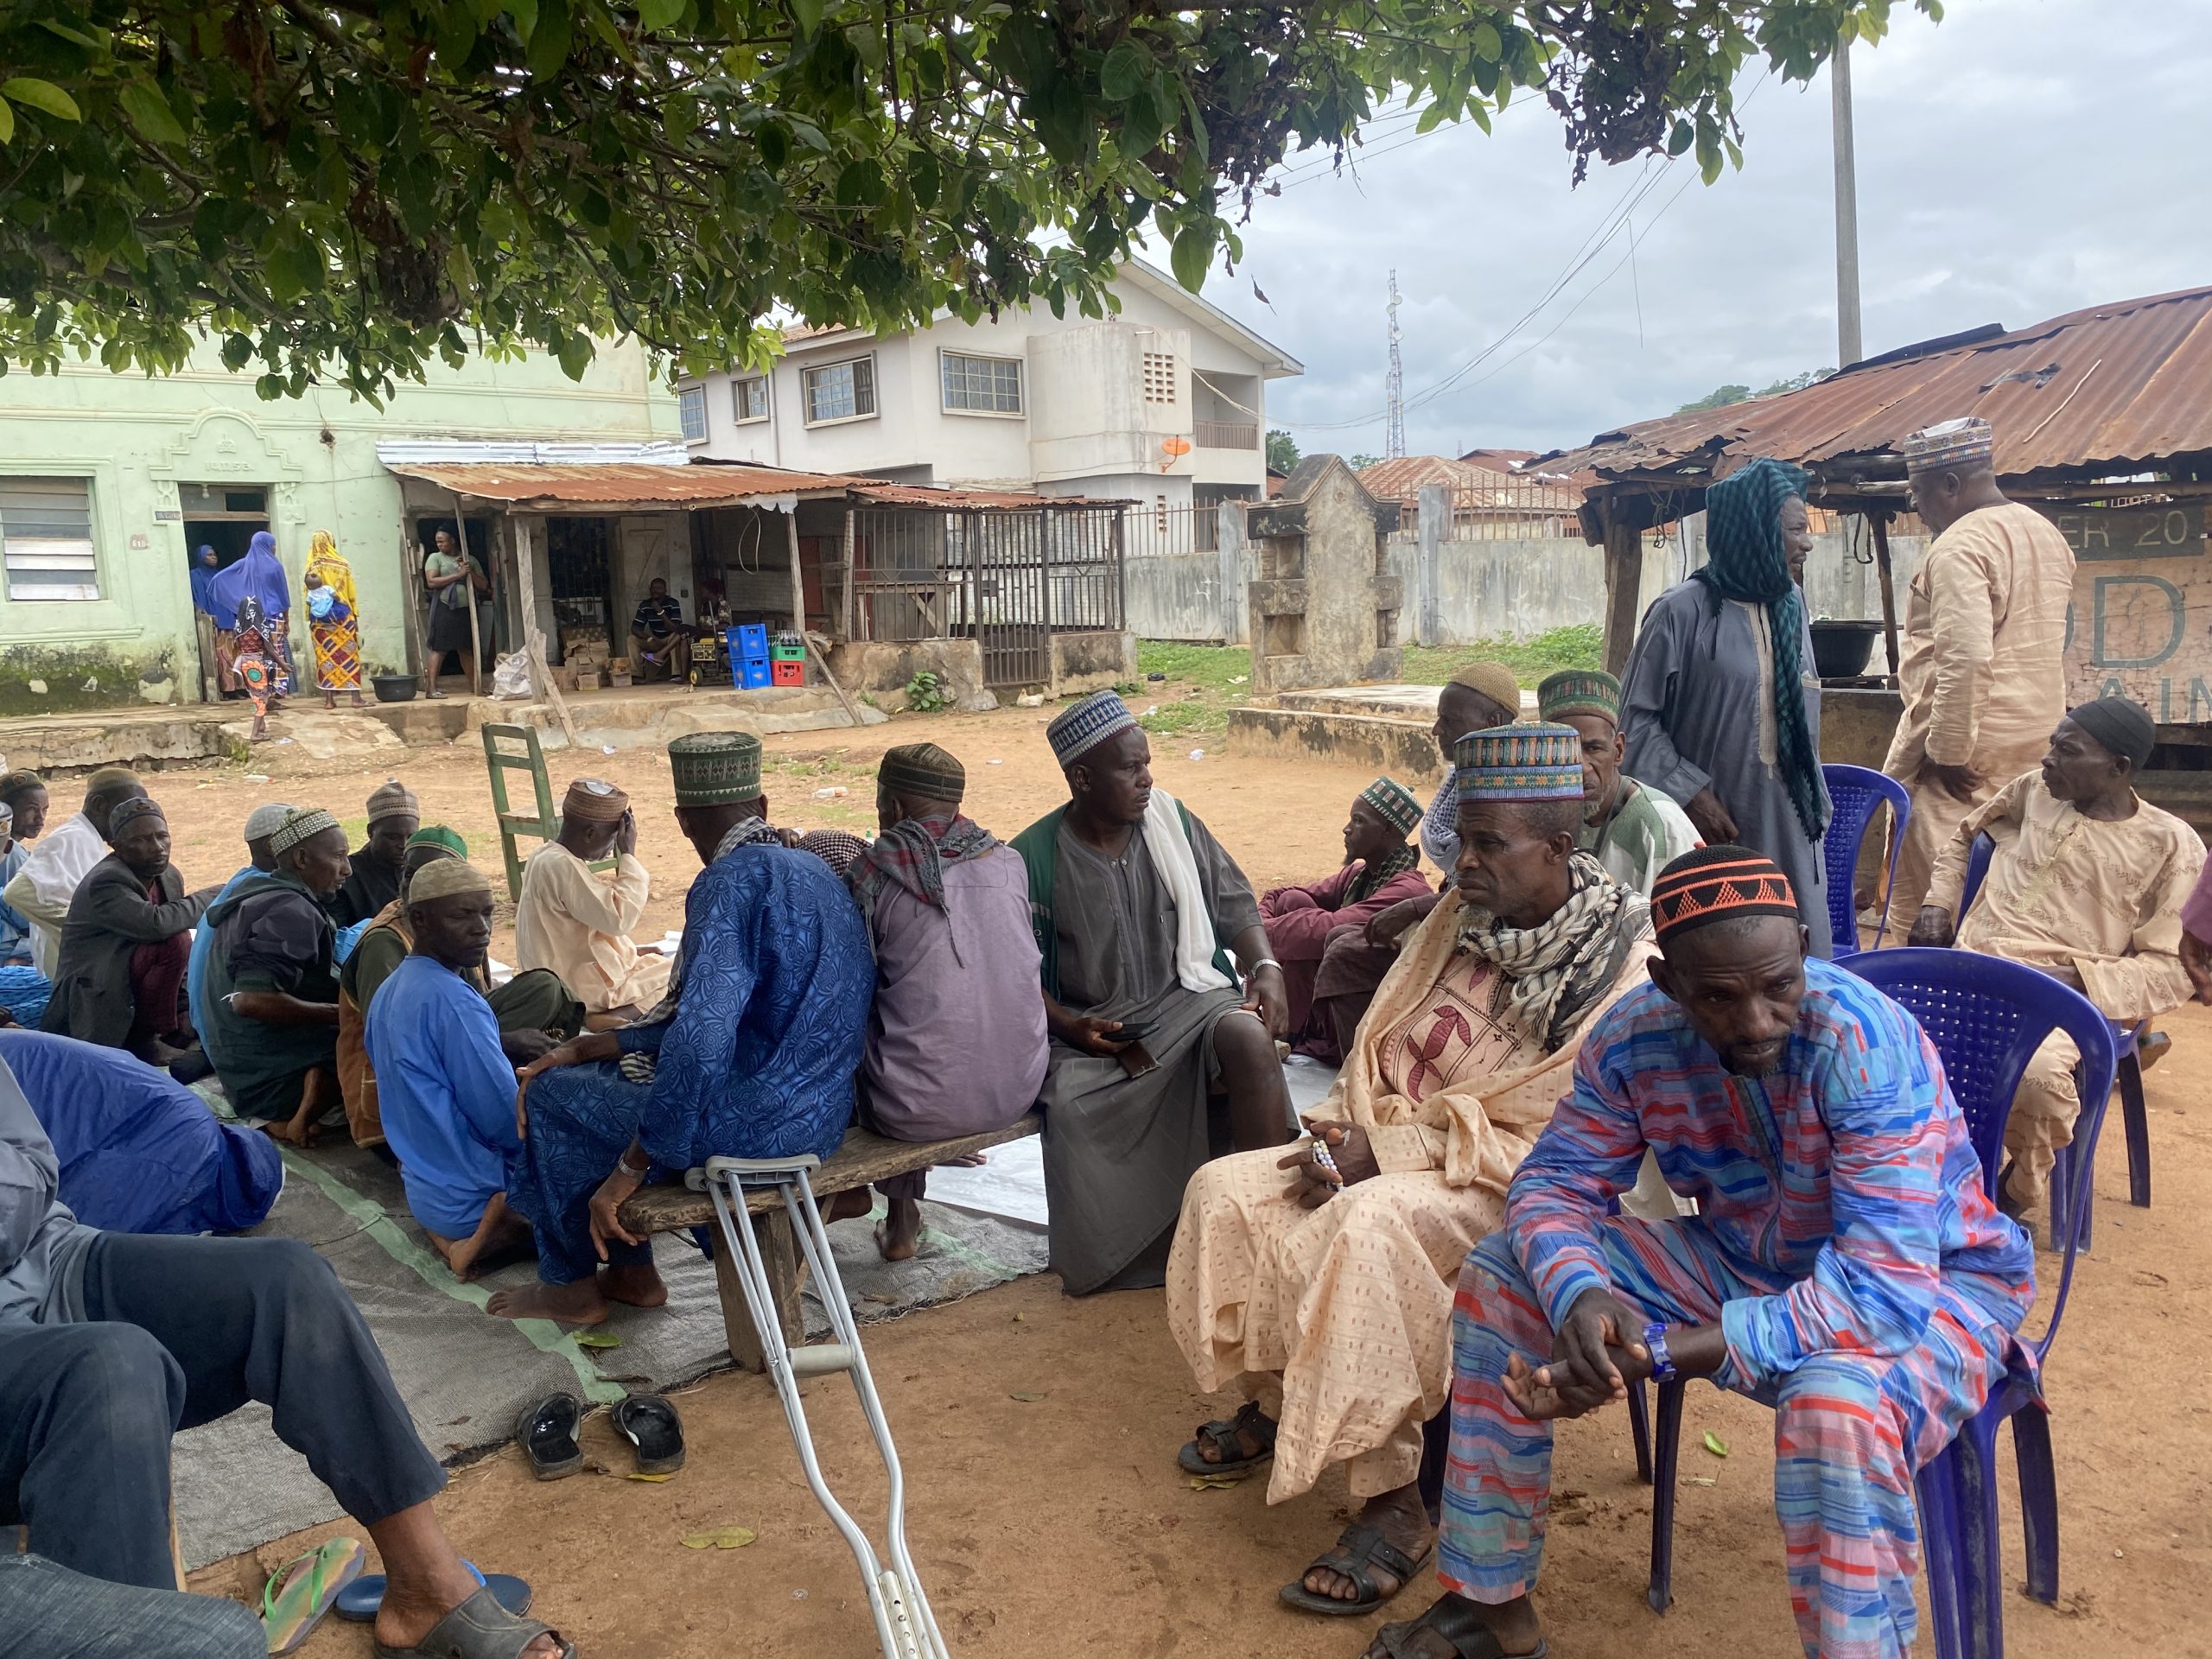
x=1697, y=704
x=1119, y=1150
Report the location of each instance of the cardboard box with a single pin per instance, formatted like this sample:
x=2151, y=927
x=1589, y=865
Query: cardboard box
x=619, y=681
x=586, y=680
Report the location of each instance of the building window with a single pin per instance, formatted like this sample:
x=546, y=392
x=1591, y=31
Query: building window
x=749, y=399
x=1160, y=377
x=45, y=534
x=981, y=385
x=691, y=408
x=841, y=392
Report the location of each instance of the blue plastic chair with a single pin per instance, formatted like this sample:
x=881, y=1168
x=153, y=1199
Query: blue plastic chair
x=1854, y=794
x=1985, y=1016
x=2134, y=1114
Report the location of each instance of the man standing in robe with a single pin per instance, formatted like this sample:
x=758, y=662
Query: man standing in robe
x=41, y=890
x=753, y=1060
x=2086, y=882
x=373, y=871
x=1380, y=869
x=1720, y=701
x=1844, y=1266
x=1632, y=828
x=956, y=1041
x=1985, y=634
x=1137, y=911
x=575, y=922
x=1323, y=1294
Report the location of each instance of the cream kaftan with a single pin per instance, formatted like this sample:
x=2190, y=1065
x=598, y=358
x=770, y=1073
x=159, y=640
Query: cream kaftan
x=1985, y=631
x=1338, y=1319
x=577, y=924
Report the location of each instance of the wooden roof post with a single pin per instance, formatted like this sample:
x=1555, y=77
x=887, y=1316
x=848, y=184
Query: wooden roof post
x=1624, y=580
x=1881, y=522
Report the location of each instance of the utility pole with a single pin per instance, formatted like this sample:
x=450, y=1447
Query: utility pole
x=1394, y=387
x=1849, y=346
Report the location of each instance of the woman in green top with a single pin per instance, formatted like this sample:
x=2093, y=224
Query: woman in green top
x=453, y=578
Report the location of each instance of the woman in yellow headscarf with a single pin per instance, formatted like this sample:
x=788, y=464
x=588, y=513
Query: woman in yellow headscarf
x=333, y=622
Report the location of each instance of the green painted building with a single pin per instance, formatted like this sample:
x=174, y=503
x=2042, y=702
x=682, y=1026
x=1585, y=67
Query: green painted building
x=107, y=483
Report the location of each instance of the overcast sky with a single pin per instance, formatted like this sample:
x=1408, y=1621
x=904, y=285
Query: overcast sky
x=2021, y=159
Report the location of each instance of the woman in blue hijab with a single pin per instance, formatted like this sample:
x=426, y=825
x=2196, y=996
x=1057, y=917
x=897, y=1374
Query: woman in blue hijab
x=1719, y=702
x=203, y=577
x=258, y=576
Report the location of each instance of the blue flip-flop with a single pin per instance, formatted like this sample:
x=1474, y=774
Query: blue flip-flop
x=359, y=1602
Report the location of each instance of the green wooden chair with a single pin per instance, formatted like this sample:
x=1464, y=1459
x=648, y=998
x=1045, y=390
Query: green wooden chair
x=514, y=748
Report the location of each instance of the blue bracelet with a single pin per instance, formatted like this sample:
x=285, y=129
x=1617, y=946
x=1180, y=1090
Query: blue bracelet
x=1662, y=1362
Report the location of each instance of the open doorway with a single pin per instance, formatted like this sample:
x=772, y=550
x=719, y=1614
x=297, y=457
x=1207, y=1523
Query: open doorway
x=491, y=613
x=224, y=516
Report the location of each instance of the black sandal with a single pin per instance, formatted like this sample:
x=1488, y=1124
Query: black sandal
x=1223, y=1435
x=651, y=1425
x=548, y=1430
x=1358, y=1548
x=1449, y=1617
x=479, y=1628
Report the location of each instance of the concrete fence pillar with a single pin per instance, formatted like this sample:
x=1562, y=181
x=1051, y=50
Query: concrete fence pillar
x=1229, y=534
x=1433, y=516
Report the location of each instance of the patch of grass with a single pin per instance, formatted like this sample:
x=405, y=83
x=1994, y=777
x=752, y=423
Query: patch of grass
x=1187, y=719
x=1216, y=667
x=1581, y=644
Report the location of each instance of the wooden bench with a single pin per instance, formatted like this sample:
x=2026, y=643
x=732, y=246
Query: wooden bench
x=863, y=1159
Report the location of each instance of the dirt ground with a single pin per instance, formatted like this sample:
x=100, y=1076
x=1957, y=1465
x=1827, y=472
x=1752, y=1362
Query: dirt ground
x=1039, y=1433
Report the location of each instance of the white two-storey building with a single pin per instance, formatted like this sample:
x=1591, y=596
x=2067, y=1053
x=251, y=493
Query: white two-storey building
x=1164, y=404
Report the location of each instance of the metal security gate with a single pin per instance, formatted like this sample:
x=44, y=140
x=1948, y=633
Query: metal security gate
x=1008, y=578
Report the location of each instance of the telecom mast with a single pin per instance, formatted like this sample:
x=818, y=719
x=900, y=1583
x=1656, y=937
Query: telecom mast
x=1394, y=389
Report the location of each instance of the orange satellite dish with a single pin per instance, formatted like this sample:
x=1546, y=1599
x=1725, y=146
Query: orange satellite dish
x=1174, y=449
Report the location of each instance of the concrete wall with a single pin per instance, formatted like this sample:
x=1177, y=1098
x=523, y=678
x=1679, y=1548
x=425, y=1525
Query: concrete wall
x=1086, y=423
x=135, y=439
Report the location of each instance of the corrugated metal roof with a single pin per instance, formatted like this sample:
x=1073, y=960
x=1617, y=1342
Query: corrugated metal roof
x=608, y=486
x=2096, y=392
x=951, y=498
x=1473, y=487
x=427, y=452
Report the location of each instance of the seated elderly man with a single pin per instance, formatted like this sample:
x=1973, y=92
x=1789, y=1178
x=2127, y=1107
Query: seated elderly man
x=373, y=871
x=272, y=982
x=1480, y=696
x=110, y=1343
x=1322, y=1289
x=41, y=890
x=2086, y=882
x=574, y=922
x=533, y=1010
x=260, y=824
x=119, y=981
x=1630, y=828
x=1845, y=1268
x=446, y=1089
x=1379, y=870
x=751, y=1055
x=22, y=820
x=1136, y=909
x=956, y=1041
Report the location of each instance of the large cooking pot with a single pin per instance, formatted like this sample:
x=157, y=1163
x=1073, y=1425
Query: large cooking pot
x=1840, y=650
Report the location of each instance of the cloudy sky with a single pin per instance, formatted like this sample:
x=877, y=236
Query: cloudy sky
x=2021, y=159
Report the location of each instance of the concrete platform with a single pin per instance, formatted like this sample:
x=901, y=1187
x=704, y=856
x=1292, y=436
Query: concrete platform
x=1416, y=702
x=632, y=717
x=144, y=738
x=1386, y=727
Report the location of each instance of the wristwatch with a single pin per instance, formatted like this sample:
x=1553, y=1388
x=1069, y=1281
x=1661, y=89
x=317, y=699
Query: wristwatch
x=1662, y=1362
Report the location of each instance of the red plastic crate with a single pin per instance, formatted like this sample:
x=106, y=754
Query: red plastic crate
x=788, y=673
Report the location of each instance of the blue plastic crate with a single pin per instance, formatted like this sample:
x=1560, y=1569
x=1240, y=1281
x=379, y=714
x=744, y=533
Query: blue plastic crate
x=749, y=640
x=753, y=673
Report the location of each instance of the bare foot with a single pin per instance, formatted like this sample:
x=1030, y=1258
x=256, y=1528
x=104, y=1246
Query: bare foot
x=639, y=1285
x=582, y=1303
x=900, y=1236
x=501, y=1236
x=1402, y=1519
x=298, y=1129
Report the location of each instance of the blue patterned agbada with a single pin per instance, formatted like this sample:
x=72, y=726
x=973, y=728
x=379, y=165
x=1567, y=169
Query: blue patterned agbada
x=757, y=1060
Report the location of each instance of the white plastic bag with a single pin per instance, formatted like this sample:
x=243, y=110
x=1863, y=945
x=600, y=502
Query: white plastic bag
x=511, y=677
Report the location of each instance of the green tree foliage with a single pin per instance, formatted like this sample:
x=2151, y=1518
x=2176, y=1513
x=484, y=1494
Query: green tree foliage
x=1361, y=462
x=357, y=186
x=1282, y=451
x=1721, y=397
x=1718, y=397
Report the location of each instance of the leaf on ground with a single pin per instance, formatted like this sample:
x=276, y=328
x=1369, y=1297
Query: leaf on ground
x=1025, y=1395
x=598, y=1339
x=1215, y=1483
x=635, y=1475
x=1716, y=1445
x=1703, y=1480
x=719, y=1538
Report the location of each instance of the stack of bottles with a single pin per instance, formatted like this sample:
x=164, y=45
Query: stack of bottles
x=788, y=660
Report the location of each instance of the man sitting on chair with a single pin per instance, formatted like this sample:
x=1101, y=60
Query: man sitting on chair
x=2086, y=882
x=1844, y=1266
x=575, y=921
x=1630, y=828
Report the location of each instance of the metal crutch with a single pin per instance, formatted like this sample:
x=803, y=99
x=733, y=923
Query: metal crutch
x=904, y=1623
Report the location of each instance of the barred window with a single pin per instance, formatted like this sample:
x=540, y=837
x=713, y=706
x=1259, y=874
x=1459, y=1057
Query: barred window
x=748, y=398
x=46, y=538
x=841, y=392
x=989, y=386
x=691, y=408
